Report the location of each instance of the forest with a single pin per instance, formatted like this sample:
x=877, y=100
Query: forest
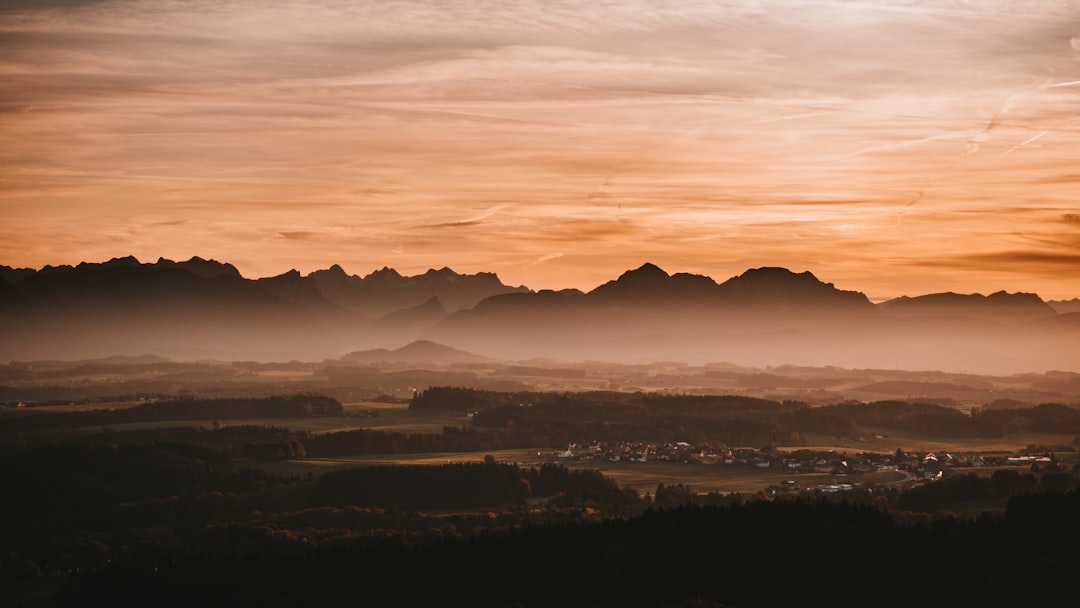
x=764, y=553
x=169, y=515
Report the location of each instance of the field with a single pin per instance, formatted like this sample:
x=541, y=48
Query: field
x=75, y=407
x=643, y=477
x=368, y=415
x=886, y=441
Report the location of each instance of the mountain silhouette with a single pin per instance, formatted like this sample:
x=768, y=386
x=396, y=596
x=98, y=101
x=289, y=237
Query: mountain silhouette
x=760, y=289
x=650, y=283
x=406, y=324
x=782, y=288
x=651, y=314
x=11, y=275
x=760, y=317
x=125, y=307
x=385, y=290
x=197, y=266
x=1065, y=306
x=204, y=309
x=1000, y=306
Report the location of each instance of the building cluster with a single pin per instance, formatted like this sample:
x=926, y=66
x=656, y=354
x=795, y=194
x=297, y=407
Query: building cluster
x=925, y=465
x=636, y=451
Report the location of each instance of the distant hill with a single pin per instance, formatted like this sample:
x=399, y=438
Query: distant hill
x=1065, y=306
x=408, y=323
x=419, y=352
x=1001, y=306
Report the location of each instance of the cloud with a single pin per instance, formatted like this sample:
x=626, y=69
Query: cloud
x=298, y=235
x=546, y=258
x=1020, y=261
x=25, y=5
x=709, y=133
x=452, y=224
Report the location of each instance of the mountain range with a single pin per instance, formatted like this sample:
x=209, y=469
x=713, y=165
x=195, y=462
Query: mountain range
x=204, y=309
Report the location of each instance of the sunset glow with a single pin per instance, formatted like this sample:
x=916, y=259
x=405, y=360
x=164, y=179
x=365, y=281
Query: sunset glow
x=889, y=147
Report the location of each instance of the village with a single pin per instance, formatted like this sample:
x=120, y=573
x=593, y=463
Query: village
x=922, y=465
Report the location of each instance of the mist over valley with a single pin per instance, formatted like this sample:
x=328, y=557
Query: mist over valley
x=202, y=309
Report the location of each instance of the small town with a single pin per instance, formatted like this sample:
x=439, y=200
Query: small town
x=922, y=465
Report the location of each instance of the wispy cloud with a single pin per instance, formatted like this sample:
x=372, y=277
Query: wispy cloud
x=704, y=134
x=298, y=235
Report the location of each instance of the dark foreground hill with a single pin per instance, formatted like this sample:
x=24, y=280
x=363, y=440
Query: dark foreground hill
x=754, y=555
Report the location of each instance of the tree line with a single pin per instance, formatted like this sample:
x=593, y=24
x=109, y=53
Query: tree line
x=735, y=420
x=293, y=406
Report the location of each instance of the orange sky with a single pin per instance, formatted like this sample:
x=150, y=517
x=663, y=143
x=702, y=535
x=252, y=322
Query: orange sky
x=890, y=147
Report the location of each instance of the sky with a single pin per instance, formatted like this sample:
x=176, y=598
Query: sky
x=895, y=148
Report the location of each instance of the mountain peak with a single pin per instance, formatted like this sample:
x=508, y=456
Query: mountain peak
x=14, y=275
x=292, y=274
x=650, y=282
x=442, y=272
x=420, y=351
x=336, y=270
x=779, y=286
x=206, y=269
x=1020, y=297
x=775, y=276
x=776, y=273
x=334, y=275
x=383, y=274
x=128, y=261
x=648, y=270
